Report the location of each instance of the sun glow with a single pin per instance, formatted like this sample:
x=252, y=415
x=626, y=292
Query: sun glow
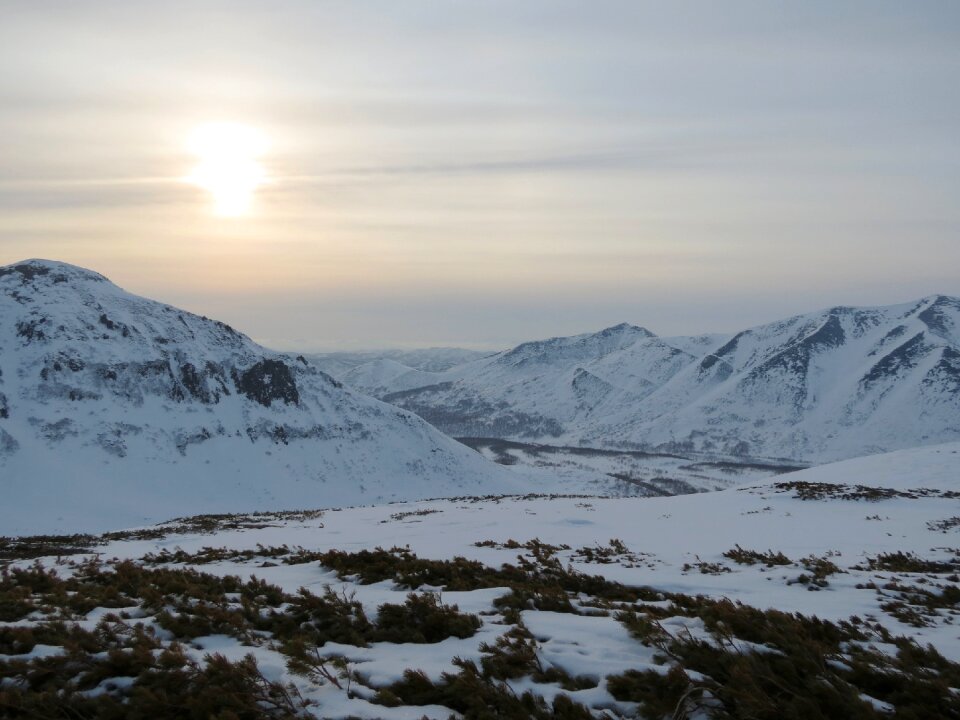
x=228, y=166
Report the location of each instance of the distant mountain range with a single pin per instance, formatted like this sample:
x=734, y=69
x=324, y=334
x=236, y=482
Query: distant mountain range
x=117, y=410
x=823, y=386
x=435, y=359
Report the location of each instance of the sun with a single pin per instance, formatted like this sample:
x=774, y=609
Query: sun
x=228, y=165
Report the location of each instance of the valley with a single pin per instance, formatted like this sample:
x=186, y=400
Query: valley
x=604, y=471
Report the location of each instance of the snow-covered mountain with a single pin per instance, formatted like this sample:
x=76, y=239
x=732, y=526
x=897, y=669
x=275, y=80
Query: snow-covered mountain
x=822, y=386
x=118, y=410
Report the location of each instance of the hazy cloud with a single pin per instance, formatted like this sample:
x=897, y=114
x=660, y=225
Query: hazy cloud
x=481, y=173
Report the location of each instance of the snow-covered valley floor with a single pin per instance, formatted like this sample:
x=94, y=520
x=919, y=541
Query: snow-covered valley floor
x=624, y=473
x=616, y=606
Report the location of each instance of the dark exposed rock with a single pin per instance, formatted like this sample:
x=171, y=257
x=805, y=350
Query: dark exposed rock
x=112, y=325
x=4, y=407
x=904, y=357
x=56, y=431
x=31, y=330
x=191, y=380
x=72, y=363
x=723, y=368
x=215, y=373
x=283, y=434
x=153, y=368
x=794, y=361
x=830, y=334
x=937, y=318
x=864, y=321
x=227, y=329
x=267, y=381
x=327, y=378
x=893, y=334
x=946, y=372
x=114, y=439
x=107, y=322
x=27, y=271
x=731, y=345
x=8, y=443
x=184, y=440
x=206, y=385
x=176, y=392
x=77, y=394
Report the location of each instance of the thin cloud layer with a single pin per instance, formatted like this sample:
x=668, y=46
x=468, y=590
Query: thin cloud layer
x=489, y=172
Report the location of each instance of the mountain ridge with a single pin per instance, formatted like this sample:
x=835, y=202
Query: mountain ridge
x=819, y=386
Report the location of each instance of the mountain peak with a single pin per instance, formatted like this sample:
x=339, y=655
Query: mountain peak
x=47, y=272
x=577, y=347
x=625, y=328
x=941, y=315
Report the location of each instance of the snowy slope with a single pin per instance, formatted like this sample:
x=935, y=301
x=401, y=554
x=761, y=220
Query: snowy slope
x=117, y=410
x=823, y=386
x=677, y=545
x=673, y=531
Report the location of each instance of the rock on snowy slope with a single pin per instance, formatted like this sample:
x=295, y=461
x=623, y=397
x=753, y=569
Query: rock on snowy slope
x=823, y=386
x=118, y=410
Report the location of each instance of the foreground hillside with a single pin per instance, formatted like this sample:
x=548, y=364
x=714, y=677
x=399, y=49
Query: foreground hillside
x=818, y=387
x=118, y=409
x=511, y=607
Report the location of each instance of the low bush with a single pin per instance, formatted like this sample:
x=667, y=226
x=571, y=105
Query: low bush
x=752, y=557
x=768, y=664
x=905, y=562
x=477, y=696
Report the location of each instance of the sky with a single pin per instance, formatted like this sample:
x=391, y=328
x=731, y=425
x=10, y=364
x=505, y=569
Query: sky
x=477, y=174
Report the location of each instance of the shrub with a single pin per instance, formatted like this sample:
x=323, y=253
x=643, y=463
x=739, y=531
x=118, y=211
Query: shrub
x=752, y=557
x=477, y=696
x=422, y=619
